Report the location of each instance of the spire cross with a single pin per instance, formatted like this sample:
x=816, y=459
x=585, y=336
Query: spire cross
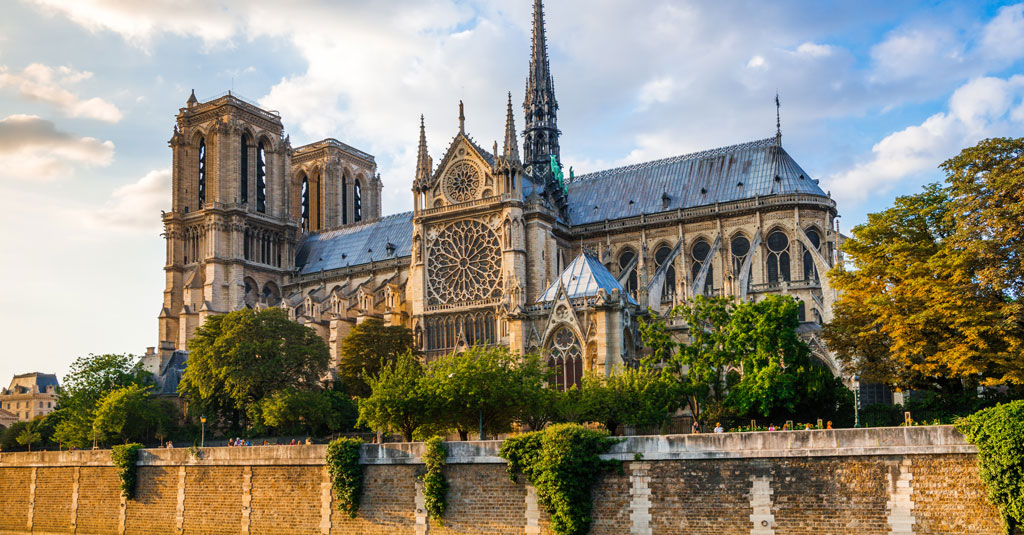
x=778, y=119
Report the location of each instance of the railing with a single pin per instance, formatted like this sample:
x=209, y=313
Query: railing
x=785, y=285
x=468, y=204
x=331, y=142
x=241, y=103
x=460, y=306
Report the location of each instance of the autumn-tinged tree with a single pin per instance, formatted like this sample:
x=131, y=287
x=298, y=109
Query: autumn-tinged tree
x=932, y=296
x=236, y=360
x=369, y=347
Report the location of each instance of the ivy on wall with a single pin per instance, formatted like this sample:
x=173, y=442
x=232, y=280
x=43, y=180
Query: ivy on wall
x=435, y=486
x=124, y=457
x=998, y=433
x=346, y=474
x=563, y=462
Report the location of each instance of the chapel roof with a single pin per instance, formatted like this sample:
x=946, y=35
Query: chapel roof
x=584, y=277
x=24, y=382
x=353, y=245
x=758, y=168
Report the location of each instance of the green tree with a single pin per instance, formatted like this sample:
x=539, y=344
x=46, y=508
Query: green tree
x=367, y=349
x=483, y=387
x=998, y=433
x=9, y=438
x=292, y=412
x=89, y=380
x=236, y=360
x=637, y=397
x=398, y=398
x=129, y=414
x=29, y=436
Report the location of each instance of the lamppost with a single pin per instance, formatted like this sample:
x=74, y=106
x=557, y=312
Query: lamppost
x=856, y=401
x=202, y=440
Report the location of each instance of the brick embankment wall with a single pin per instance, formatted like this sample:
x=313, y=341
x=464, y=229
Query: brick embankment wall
x=863, y=482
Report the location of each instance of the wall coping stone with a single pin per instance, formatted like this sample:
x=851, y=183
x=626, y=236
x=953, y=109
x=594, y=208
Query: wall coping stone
x=922, y=440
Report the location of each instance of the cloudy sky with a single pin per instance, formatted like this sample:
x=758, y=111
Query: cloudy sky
x=874, y=96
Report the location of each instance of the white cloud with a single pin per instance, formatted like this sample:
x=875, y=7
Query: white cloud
x=756, y=62
x=135, y=206
x=656, y=91
x=46, y=84
x=980, y=108
x=32, y=148
x=1003, y=36
x=814, y=50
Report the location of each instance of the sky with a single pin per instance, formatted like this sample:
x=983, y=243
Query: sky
x=874, y=96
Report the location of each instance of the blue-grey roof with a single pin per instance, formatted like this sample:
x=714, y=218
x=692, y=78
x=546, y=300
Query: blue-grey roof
x=760, y=168
x=171, y=372
x=583, y=277
x=355, y=244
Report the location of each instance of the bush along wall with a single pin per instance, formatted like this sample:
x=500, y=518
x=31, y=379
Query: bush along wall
x=346, y=474
x=125, y=458
x=435, y=486
x=998, y=433
x=563, y=462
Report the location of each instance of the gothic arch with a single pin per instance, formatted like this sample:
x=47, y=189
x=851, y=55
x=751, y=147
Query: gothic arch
x=252, y=292
x=271, y=294
x=778, y=255
x=564, y=354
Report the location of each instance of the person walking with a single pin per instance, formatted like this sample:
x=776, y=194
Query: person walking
x=718, y=428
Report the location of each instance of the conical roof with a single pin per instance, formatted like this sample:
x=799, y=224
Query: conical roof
x=584, y=277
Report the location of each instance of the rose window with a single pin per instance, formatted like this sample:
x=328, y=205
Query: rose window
x=462, y=183
x=463, y=264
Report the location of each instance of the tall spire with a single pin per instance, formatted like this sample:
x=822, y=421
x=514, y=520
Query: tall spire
x=778, y=119
x=462, y=119
x=540, y=139
x=511, y=152
x=422, y=157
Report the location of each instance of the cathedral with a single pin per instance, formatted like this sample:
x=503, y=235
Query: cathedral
x=501, y=246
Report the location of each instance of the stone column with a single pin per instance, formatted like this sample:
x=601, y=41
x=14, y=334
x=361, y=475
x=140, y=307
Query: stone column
x=532, y=511
x=179, y=511
x=761, y=506
x=325, y=503
x=640, y=498
x=422, y=522
x=31, y=500
x=900, y=507
x=246, y=498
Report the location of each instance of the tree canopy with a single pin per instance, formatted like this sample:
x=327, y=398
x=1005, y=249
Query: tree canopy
x=90, y=379
x=238, y=359
x=367, y=349
x=931, y=295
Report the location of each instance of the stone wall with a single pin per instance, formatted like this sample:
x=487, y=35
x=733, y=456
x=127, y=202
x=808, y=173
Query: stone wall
x=891, y=481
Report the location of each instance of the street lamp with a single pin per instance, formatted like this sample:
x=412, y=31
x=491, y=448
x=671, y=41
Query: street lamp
x=202, y=440
x=856, y=401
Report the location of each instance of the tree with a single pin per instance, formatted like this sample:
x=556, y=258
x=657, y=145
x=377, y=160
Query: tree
x=90, y=379
x=483, y=387
x=931, y=299
x=367, y=349
x=28, y=436
x=637, y=397
x=9, y=438
x=397, y=399
x=129, y=414
x=306, y=412
x=238, y=359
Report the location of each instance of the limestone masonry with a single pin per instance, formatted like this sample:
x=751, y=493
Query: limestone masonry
x=850, y=481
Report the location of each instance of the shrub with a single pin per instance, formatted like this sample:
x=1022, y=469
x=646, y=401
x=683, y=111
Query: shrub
x=435, y=486
x=125, y=457
x=998, y=432
x=562, y=462
x=346, y=474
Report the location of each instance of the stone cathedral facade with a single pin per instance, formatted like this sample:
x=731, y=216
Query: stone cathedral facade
x=500, y=246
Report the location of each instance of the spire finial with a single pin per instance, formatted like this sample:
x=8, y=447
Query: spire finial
x=422, y=157
x=778, y=119
x=462, y=119
x=511, y=152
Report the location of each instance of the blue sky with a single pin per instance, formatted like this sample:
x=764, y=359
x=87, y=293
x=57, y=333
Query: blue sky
x=874, y=96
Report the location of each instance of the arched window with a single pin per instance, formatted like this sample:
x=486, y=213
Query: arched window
x=304, y=206
x=357, y=202
x=251, y=293
x=344, y=199
x=271, y=294
x=810, y=272
x=202, y=172
x=778, y=257
x=243, y=167
x=261, y=178
x=625, y=259
x=669, y=289
x=740, y=249
x=700, y=251
x=317, y=222
x=565, y=357
x=802, y=310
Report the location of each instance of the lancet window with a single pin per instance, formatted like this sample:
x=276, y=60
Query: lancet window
x=625, y=259
x=700, y=252
x=777, y=266
x=243, y=167
x=474, y=328
x=565, y=358
x=740, y=250
x=344, y=199
x=357, y=202
x=202, y=172
x=810, y=272
x=669, y=288
x=304, y=205
x=261, y=178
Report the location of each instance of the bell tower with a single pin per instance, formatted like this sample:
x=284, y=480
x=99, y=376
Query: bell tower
x=230, y=238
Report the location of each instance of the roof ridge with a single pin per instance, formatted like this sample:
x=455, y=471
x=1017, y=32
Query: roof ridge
x=681, y=157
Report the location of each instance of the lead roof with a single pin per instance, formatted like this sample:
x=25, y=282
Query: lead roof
x=584, y=277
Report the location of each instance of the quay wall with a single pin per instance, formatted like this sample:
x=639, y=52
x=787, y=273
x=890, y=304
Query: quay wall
x=847, y=481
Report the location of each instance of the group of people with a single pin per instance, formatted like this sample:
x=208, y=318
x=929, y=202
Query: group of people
x=771, y=427
x=239, y=442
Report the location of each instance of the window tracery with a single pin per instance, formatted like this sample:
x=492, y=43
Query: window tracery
x=668, y=290
x=357, y=202
x=202, y=172
x=625, y=259
x=477, y=328
x=462, y=182
x=740, y=250
x=810, y=271
x=463, y=264
x=700, y=251
x=243, y=184
x=778, y=257
x=565, y=357
x=261, y=178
